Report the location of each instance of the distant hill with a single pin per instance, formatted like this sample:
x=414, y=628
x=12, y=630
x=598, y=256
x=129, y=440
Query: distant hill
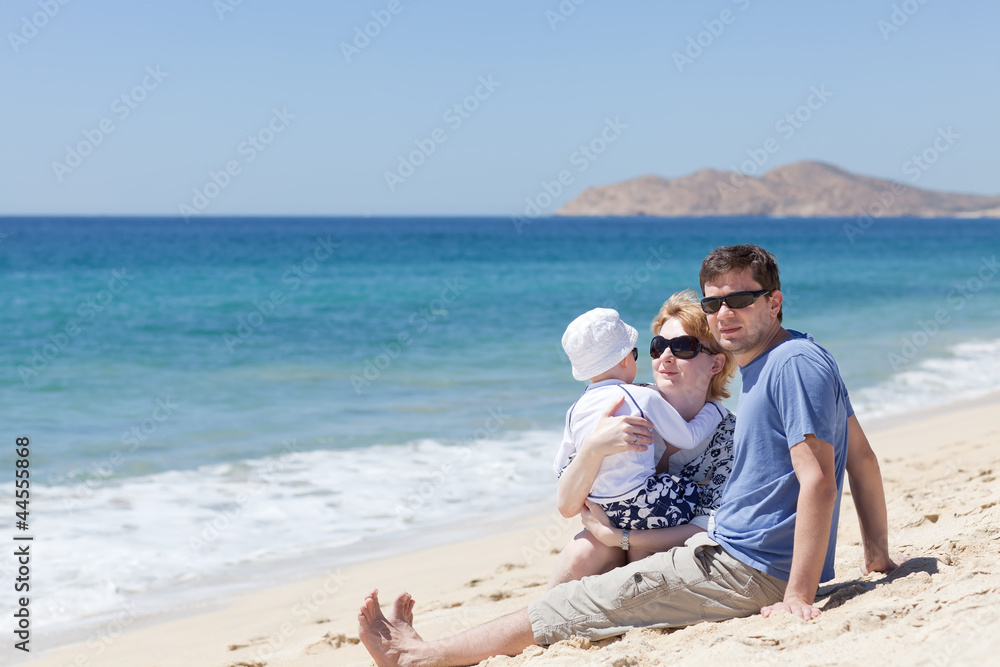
x=802, y=189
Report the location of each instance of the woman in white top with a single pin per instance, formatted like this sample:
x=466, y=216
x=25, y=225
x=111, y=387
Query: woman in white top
x=690, y=369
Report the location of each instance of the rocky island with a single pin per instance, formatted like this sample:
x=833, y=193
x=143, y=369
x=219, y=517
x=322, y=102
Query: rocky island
x=801, y=189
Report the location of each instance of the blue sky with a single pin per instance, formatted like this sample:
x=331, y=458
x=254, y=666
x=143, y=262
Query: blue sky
x=327, y=127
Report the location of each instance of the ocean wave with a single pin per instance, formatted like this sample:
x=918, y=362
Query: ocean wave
x=966, y=371
x=107, y=545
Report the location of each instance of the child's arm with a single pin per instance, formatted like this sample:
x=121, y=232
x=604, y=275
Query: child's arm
x=576, y=481
x=672, y=427
x=610, y=436
x=574, y=473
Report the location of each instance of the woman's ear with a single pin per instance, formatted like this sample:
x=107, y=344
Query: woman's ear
x=718, y=363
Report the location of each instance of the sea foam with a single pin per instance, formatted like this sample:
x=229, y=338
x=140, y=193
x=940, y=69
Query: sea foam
x=102, y=548
x=966, y=371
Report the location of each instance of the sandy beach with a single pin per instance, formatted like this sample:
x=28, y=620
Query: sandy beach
x=939, y=608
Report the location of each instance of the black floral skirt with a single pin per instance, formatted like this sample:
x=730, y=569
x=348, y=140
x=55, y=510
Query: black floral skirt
x=665, y=501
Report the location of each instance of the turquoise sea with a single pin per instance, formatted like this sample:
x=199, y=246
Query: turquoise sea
x=208, y=399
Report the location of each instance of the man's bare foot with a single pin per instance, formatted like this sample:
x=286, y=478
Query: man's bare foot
x=390, y=643
x=402, y=615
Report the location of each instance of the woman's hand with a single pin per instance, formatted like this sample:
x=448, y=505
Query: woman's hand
x=614, y=435
x=599, y=525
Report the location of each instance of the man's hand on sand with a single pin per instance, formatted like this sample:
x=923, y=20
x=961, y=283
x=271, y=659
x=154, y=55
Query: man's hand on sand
x=807, y=612
x=796, y=608
x=883, y=563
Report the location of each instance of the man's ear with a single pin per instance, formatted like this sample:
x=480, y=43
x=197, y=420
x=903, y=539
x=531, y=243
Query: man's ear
x=774, y=303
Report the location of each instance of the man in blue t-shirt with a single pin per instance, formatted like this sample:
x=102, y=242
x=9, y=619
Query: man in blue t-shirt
x=780, y=509
x=775, y=532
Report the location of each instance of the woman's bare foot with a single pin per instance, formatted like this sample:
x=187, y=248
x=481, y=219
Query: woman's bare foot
x=391, y=642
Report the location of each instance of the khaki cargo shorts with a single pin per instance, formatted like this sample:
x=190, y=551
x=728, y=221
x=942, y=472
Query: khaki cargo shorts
x=690, y=584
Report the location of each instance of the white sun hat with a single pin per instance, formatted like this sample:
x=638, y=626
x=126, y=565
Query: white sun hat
x=596, y=341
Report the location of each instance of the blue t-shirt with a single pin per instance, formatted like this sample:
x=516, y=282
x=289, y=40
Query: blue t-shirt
x=791, y=390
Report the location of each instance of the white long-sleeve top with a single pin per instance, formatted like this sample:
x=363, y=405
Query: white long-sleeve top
x=622, y=475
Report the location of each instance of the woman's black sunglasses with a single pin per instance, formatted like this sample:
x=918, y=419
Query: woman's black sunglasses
x=712, y=304
x=682, y=347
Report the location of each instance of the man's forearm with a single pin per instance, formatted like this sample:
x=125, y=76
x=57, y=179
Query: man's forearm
x=865, y=478
x=814, y=514
x=869, y=501
x=814, y=465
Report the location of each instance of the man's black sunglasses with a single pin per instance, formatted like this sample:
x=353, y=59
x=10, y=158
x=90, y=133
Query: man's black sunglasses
x=712, y=304
x=682, y=347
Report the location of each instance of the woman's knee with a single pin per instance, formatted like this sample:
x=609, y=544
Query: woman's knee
x=585, y=556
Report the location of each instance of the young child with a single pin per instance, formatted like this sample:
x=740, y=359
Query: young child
x=602, y=349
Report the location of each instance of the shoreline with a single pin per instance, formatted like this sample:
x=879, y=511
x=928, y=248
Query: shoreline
x=464, y=581
x=892, y=421
x=327, y=600
x=195, y=598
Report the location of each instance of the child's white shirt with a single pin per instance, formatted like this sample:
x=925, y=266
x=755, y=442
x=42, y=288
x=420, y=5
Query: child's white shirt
x=622, y=475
